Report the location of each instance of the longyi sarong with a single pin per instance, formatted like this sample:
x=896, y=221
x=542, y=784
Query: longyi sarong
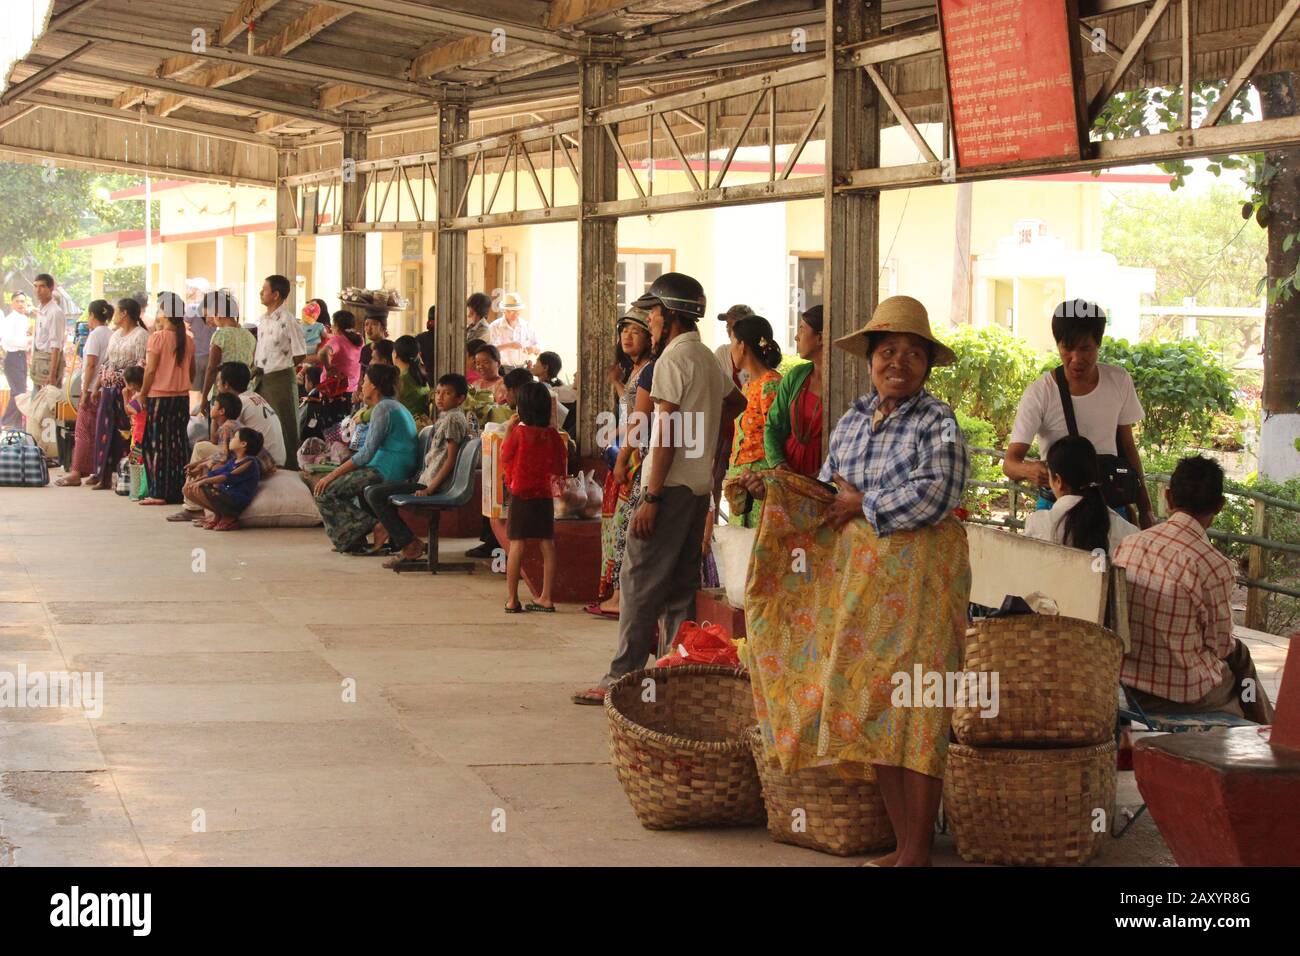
x=832, y=617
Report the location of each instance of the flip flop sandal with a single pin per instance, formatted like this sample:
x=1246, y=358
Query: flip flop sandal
x=181, y=516
x=64, y=483
x=534, y=606
x=592, y=696
x=595, y=610
x=515, y=610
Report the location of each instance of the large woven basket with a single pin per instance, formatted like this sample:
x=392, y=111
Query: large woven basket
x=1030, y=807
x=679, y=746
x=817, y=808
x=1057, y=682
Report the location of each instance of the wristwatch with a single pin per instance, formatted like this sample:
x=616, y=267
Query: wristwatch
x=651, y=498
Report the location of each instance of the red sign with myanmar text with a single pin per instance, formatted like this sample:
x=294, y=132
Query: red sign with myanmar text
x=1011, y=76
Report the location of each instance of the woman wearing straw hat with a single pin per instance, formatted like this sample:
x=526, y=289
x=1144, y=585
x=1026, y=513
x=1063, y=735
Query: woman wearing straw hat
x=885, y=589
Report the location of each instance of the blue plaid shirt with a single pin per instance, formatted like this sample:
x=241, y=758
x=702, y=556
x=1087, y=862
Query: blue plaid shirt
x=912, y=471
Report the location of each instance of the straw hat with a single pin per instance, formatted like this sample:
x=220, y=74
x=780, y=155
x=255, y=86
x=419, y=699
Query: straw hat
x=898, y=313
x=511, y=300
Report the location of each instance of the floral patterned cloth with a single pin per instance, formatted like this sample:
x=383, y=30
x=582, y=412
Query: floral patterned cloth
x=830, y=624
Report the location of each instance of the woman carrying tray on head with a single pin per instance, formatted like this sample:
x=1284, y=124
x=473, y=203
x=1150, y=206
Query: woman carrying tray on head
x=878, y=584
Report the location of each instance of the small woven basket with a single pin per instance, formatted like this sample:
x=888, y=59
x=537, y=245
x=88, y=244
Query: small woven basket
x=839, y=816
x=1058, y=680
x=682, y=755
x=1030, y=807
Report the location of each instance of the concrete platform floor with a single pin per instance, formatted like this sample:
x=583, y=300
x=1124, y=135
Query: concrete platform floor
x=225, y=737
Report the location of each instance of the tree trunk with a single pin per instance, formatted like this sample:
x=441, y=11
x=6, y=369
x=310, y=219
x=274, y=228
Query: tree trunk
x=1278, y=456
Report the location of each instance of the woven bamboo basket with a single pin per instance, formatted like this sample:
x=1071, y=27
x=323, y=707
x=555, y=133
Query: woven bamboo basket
x=1057, y=682
x=839, y=816
x=682, y=757
x=1030, y=807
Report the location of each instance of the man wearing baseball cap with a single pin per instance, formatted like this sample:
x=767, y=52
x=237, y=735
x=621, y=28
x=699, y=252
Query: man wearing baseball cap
x=723, y=351
x=692, y=395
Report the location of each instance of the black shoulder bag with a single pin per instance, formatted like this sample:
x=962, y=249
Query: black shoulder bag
x=1119, y=479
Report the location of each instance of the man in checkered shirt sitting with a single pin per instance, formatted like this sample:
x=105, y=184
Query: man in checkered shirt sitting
x=1184, y=658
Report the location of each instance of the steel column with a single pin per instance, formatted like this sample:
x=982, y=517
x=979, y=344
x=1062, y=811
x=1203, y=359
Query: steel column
x=852, y=219
x=597, y=250
x=353, y=272
x=451, y=245
x=286, y=215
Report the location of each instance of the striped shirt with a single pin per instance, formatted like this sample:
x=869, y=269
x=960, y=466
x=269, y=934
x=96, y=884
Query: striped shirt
x=1180, y=615
x=911, y=470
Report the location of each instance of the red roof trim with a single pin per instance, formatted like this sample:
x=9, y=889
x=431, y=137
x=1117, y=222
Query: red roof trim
x=137, y=192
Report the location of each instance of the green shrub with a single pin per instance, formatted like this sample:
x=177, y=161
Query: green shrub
x=1182, y=386
x=992, y=371
x=980, y=434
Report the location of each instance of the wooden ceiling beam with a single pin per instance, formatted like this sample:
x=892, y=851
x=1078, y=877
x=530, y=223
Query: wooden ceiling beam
x=309, y=25
x=235, y=129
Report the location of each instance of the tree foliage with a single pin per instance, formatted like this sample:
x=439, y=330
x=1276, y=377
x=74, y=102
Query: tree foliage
x=992, y=371
x=1196, y=243
x=1181, y=386
x=41, y=207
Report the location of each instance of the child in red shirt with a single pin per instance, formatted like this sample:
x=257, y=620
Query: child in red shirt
x=533, y=455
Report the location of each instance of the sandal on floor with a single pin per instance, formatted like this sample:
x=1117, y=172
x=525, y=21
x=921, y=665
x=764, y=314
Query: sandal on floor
x=226, y=524
x=517, y=609
x=534, y=606
x=594, y=696
x=64, y=483
x=595, y=610
x=182, y=516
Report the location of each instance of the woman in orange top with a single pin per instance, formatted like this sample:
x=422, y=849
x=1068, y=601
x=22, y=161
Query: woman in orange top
x=753, y=351
x=168, y=371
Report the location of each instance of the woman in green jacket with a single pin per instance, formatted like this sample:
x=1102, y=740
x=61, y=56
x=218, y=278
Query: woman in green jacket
x=792, y=438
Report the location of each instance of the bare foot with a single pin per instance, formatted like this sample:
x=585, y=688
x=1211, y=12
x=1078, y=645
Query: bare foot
x=153, y=501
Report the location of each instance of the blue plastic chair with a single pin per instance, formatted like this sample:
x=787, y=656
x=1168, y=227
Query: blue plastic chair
x=1166, y=723
x=460, y=490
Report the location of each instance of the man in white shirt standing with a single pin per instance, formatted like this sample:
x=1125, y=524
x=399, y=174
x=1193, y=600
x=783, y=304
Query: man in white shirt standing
x=1104, y=402
x=280, y=347
x=512, y=334
x=15, y=338
x=665, y=535
x=51, y=335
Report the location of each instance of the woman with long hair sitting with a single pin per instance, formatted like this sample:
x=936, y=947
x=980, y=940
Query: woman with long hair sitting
x=1080, y=517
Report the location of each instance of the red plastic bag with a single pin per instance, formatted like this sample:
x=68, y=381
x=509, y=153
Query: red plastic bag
x=700, y=644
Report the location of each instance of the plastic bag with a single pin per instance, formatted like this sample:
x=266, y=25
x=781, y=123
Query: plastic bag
x=572, y=502
x=595, y=495
x=733, y=545
x=312, y=452
x=700, y=644
x=38, y=409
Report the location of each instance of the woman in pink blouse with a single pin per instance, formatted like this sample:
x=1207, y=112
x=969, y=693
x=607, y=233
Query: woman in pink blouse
x=341, y=356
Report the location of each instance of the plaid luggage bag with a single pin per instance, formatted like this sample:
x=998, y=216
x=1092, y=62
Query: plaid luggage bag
x=21, y=460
